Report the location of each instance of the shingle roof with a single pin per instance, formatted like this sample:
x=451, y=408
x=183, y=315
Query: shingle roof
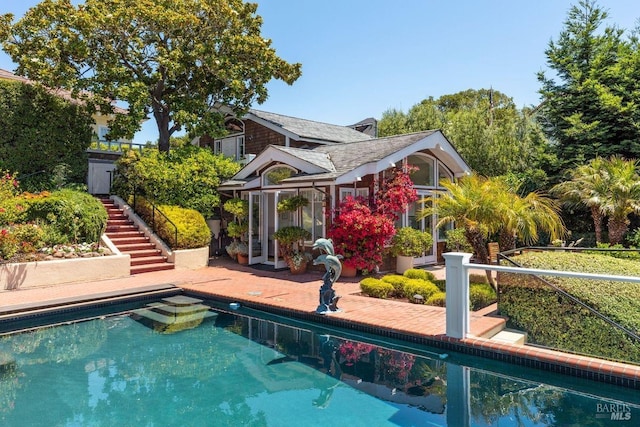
x=346, y=157
x=310, y=129
x=312, y=156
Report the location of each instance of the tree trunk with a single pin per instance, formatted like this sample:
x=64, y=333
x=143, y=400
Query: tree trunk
x=597, y=222
x=617, y=229
x=507, y=240
x=479, y=245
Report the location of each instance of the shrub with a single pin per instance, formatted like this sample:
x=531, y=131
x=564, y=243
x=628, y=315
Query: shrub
x=416, y=273
x=77, y=215
x=423, y=288
x=410, y=242
x=441, y=284
x=439, y=299
x=398, y=282
x=478, y=278
x=457, y=242
x=187, y=177
x=481, y=295
x=376, y=288
x=20, y=239
x=193, y=231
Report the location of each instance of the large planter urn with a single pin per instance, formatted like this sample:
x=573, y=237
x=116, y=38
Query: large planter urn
x=403, y=263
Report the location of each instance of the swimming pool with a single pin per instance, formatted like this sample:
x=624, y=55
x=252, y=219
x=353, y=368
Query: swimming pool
x=176, y=362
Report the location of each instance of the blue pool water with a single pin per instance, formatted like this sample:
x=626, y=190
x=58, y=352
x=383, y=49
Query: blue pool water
x=212, y=368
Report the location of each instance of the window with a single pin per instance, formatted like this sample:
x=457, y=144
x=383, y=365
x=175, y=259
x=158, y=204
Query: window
x=276, y=174
x=102, y=133
x=425, y=175
x=217, y=146
x=443, y=173
x=240, y=153
x=354, y=192
x=313, y=214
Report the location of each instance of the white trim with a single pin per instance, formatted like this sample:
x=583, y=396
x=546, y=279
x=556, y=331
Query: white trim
x=272, y=154
x=435, y=142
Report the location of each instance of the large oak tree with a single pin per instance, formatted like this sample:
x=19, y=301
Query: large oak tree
x=177, y=60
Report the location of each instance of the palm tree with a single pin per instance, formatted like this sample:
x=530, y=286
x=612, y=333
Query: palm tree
x=623, y=197
x=524, y=217
x=609, y=188
x=486, y=206
x=588, y=186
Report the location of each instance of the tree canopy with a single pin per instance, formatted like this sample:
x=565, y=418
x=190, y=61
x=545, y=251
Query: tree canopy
x=174, y=59
x=491, y=134
x=591, y=94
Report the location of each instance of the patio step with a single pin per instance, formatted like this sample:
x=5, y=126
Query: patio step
x=510, y=336
x=173, y=314
x=128, y=238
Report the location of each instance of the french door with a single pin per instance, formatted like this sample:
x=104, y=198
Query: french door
x=423, y=224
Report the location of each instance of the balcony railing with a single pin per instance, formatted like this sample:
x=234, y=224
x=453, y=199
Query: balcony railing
x=114, y=146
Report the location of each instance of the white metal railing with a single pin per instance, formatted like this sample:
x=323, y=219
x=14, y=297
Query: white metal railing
x=457, y=266
x=115, y=146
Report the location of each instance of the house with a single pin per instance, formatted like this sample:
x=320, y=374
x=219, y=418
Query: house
x=102, y=153
x=326, y=163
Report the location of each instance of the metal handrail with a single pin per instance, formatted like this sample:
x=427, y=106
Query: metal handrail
x=154, y=208
x=537, y=273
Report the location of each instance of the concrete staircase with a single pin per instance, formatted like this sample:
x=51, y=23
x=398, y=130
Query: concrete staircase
x=126, y=236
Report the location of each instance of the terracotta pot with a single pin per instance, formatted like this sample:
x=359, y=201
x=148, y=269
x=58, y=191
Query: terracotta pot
x=300, y=270
x=348, y=271
x=243, y=259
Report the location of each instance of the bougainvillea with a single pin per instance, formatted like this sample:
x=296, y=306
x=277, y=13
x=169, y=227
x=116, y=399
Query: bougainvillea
x=362, y=229
x=396, y=192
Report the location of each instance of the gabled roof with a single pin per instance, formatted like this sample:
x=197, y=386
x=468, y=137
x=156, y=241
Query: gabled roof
x=307, y=130
x=345, y=163
x=62, y=93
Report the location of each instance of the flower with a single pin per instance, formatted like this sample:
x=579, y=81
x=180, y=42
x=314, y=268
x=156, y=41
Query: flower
x=297, y=259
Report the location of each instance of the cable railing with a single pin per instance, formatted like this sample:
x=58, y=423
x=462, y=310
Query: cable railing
x=619, y=341
x=504, y=256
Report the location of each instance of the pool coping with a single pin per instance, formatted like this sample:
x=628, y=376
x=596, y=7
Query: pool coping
x=574, y=365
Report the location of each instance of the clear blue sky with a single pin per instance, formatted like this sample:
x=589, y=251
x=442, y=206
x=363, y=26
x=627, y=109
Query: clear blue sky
x=362, y=57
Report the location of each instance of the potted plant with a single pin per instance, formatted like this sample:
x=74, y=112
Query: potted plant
x=408, y=243
x=291, y=243
x=238, y=228
x=243, y=253
x=292, y=204
x=298, y=261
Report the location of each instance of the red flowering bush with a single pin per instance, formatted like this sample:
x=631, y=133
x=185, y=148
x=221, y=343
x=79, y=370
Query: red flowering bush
x=360, y=234
x=351, y=351
x=361, y=229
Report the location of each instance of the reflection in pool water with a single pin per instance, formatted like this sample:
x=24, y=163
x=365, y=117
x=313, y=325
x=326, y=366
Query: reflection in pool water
x=235, y=369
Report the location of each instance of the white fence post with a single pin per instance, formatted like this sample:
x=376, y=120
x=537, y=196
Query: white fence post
x=457, y=300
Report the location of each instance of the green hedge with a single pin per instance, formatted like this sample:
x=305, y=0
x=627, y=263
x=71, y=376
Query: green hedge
x=398, y=282
x=481, y=295
x=41, y=131
x=193, y=231
x=423, y=288
x=555, y=321
x=376, y=288
x=417, y=273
